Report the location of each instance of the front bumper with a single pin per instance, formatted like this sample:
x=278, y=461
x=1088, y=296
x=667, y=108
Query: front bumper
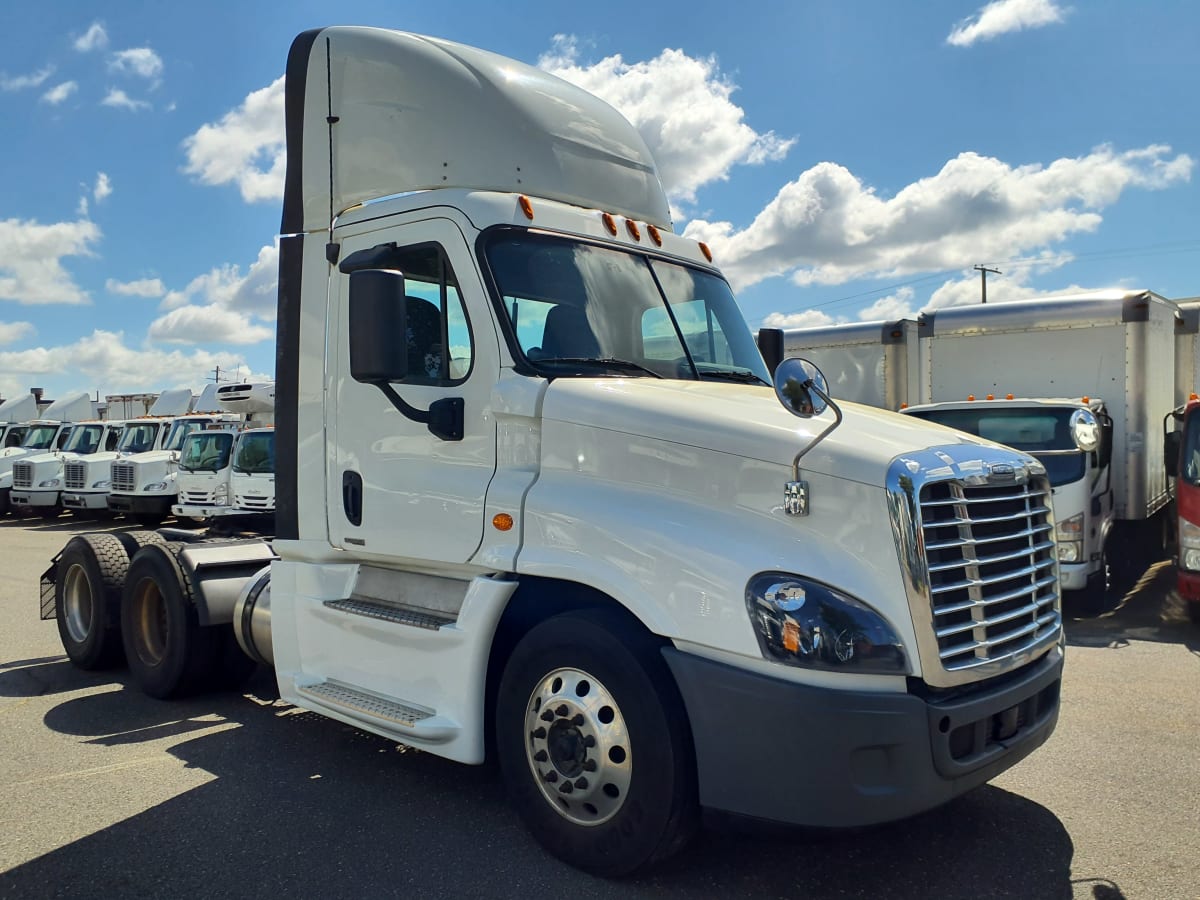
x=33, y=499
x=1074, y=576
x=828, y=758
x=77, y=500
x=149, y=505
x=1189, y=585
x=198, y=511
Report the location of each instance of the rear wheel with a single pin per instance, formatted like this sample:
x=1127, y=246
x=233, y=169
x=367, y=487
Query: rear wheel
x=169, y=653
x=593, y=743
x=87, y=599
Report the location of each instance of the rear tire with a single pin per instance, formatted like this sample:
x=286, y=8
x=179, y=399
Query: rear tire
x=169, y=653
x=594, y=745
x=87, y=599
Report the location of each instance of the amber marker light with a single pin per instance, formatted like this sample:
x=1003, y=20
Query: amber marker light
x=502, y=522
x=991, y=396
x=704, y=249
x=1086, y=399
x=1193, y=396
x=526, y=207
x=1008, y=396
x=632, y=227
x=610, y=223
x=655, y=235
x=904, y=406
x=970, y=398
x=791, y=636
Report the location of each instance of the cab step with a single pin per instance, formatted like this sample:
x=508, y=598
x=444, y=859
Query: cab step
x=331, y=693
x=392, y=612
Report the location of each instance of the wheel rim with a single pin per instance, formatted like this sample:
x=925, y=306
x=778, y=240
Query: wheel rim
x=78, y=604
x=150, y=622
x=578, y=747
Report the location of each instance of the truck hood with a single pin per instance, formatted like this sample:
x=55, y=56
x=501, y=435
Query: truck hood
x=746, y=421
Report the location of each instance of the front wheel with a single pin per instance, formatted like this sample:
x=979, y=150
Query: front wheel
x=594, y=744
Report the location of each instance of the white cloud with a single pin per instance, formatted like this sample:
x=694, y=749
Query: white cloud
x=680, y=105
x=103, y=187
x=828, y=227
x=105, y=362
x=14, y=331
x=95, y=38
x=140, y=61
x=225, y=286
x=59, y=93
x=143, y=287
x=23, y=82
x=1003, y=16
x=208, y=324
x=808, y=318
x=119, y=99
x=894, y=306
x=31, y=270
x=245, y=148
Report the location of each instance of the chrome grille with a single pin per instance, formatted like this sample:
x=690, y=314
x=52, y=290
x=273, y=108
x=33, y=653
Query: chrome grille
x=75, y=476
x=975, y=533
x=22, y=475
x=122, y=477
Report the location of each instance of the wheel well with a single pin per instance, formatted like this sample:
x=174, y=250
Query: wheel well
x=535, y=600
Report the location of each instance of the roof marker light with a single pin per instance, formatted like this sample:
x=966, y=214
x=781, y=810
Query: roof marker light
x=526, y=207
x=991, y=396
x=610, y=223
x=655, y=235
x=704, y=249
x=632, y=227
x=1086, y=399
x=970, y=398
x=1193, y=396
x=1008, y=396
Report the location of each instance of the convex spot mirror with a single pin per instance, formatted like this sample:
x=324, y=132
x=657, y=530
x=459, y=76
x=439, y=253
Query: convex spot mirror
x=378, y=325
x=794, y=383
x=1085, y=430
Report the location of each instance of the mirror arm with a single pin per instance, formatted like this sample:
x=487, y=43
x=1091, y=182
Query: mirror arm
x=837, y=420
x=444, y=418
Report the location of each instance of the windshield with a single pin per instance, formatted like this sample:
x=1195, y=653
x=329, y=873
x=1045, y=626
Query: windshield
x=1043, y=433
x=1190, y=460
x=181, y=429
x=206, y=451
x=255, y=453
x=84, y=439
x=40, y=437
x=139, y=438
x=580, y=309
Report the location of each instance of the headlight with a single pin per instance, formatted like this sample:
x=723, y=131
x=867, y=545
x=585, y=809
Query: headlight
x=156, y=486
x=1189, y=545
x=803, y=623
x=102, y=485
x=53, y=482
x=1069, y=551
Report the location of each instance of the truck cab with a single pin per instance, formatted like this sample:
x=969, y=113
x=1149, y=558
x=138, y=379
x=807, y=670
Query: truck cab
x=1183, y=461
x=252, y=479
x=38, y=480
x=1072, y=438
x=44, y=434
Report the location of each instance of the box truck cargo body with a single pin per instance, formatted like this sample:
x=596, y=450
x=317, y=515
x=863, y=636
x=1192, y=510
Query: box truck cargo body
x=876, y=363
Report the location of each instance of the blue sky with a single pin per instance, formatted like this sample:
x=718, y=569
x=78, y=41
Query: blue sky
x=844, y=160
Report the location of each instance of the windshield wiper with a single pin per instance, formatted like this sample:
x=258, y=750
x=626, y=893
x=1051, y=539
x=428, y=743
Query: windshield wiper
x=607, y=362
x=743, y=375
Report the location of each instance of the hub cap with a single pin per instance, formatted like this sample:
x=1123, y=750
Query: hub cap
x=150, y=622
x=578, y=747
x=77, y=604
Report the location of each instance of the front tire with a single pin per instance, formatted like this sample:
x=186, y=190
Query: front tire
x=87, y=599
x=594, y=745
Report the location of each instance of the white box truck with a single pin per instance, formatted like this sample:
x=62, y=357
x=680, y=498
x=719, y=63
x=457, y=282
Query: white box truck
x=1083, y=383
x=535, y=491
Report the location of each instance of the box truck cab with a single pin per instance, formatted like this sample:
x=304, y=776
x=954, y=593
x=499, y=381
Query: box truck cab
x=38, y=480
x=86, y=480
x=47, y=432
x=535, y=491
x=1182, y=457
x=252, y=480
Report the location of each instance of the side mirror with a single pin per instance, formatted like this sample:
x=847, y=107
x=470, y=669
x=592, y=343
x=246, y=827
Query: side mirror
x=378, y=325
x=1172, y=444
x=795, y=380
x=1085, y=430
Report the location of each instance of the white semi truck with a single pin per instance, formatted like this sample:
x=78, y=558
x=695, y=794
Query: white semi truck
x=47, y=432
x=208, y=457
x=38, y=480
x=86, y=481
x=646, y=582
x=1082, y=382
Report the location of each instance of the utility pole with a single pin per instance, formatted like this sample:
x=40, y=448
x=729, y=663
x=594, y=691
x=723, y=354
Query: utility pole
x=983, y=273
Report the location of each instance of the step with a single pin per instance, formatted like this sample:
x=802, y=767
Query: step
x=390, y=612
x=332, y=693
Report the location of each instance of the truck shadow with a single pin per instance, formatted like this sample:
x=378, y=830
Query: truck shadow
x=303, y=806
x=1149, y=610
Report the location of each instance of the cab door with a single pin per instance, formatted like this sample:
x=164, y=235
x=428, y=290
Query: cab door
x=396, y=490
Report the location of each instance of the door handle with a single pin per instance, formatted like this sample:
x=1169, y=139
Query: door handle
x=352, y=492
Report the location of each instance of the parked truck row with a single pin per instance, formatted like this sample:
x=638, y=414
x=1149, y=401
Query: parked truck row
x=1083, y=383
x=540, y=495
